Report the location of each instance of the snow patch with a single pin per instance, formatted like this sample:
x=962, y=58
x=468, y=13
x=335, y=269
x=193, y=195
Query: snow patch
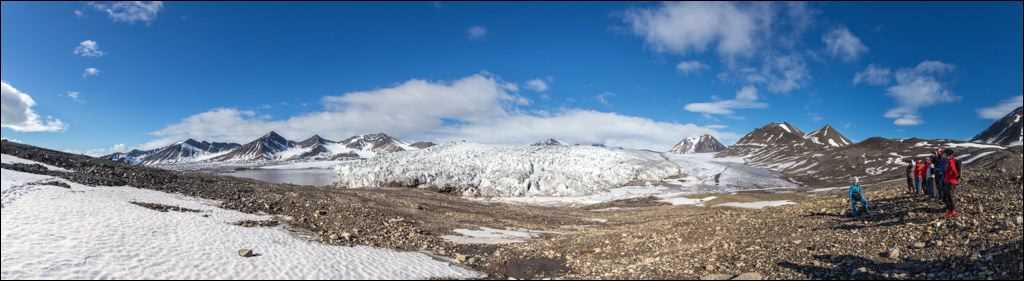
x=973, y=145
x=95, y=233
x=9, y=159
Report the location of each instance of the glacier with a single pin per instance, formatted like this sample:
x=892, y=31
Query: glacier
x=481, y=170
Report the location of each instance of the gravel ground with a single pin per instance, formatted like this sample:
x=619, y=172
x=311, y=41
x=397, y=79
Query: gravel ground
x=904, y=238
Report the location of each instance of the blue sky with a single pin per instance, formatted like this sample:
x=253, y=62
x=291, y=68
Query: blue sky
x=627, y=74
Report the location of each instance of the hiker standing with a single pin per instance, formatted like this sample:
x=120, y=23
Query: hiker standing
x=929, y=180
x=910, y=176
x=951, y=180
x=938, y=171
x=919, y=174
x=857, y=196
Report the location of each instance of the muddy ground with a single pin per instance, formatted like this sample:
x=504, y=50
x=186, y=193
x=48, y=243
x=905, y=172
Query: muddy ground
x=904, y=238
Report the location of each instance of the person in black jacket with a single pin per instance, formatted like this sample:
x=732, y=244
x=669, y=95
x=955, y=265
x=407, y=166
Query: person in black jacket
x=937, y=174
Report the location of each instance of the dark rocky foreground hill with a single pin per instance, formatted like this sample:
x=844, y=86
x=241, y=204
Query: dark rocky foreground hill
x=905, y=237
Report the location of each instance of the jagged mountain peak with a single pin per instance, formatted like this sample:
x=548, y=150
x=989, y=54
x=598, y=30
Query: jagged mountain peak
x=773, y=133
x=828, y=136
x=701, y=144
x=1006, y=131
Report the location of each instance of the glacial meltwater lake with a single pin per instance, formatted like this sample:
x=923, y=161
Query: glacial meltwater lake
x=310, y=177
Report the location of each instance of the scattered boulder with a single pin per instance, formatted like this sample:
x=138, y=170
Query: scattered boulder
x=749, y=276
x=920, y=245
x=717, y=277
x=893, y=253
x=246, y=253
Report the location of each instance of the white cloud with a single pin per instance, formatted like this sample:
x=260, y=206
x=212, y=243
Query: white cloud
x=476, y=32
x=603, y=98
x=477, y=108
x=19, y=116
x=785, y=73
x=537, y=85
x=90, y=72
x=1001, y=110
x=842, y=44
x=691, y=67
x=916, y=88
x=746, y=98
x=79, y=13
x=694, y=27
x=130, y=11
x=88, y=48
x=583, y=127
x=874, y=75
x=119, y=148
x=75, y=96
x=756, y=41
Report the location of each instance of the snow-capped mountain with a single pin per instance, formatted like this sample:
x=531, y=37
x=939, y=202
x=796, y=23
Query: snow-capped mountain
x=548, y=142
x=270, y=147
x=828, y=136
x=773, y=134
x=182, y=152
x=376, y=143
x=814, y=160
x=702, y=144
x=264, y=148
x=1006, y=131
x=314, y=148
x=132, y=157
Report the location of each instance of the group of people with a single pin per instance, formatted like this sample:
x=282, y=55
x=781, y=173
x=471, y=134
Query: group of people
x=936, y=177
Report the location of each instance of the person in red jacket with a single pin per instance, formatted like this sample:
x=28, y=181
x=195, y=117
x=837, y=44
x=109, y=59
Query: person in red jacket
x=950, y=181
x=919, y=174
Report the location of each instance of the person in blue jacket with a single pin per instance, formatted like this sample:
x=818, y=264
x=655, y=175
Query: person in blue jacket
x=857, y=196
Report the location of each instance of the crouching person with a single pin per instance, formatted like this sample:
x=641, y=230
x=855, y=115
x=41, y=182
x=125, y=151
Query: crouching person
x=857, y=197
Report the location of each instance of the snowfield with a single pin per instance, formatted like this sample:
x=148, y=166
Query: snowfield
x=8, y=159
x=509, y=171
x=86, y=232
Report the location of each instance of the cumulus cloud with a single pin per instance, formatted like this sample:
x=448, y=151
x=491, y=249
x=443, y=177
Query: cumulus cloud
x=874, y=75
x=688, y=27
x=842, y=44
x=1002, y=109
x=537, y=85
x=19, y=116
x=917, y=88
x=755, y=41
x=130, y=11
x=79, y=13
x=88, y=48
x=476, y=32
x=90, y=72
x=691, y=67
x=746, y=98
x=584, y=127
x=478, y=108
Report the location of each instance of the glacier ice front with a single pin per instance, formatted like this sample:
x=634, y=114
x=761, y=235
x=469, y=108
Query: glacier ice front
x=510, y=171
